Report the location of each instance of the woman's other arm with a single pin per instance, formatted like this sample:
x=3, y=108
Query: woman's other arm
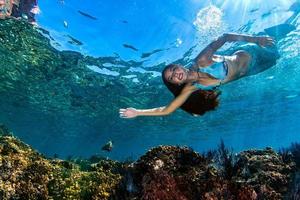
x=260, y=40
x=205, y=56
x=161, y=111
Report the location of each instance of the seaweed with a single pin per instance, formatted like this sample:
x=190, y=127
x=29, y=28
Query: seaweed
x=226, y=161
x=294, y=188
x=286, y=155
x=210, y=154
x=295, y=150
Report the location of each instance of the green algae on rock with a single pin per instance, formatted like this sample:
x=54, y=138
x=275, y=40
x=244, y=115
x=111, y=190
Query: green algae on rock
x=266, y=172
x=26, y=174
x=164, y=172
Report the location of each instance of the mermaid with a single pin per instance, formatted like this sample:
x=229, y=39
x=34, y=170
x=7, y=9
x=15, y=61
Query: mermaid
x=196, y=88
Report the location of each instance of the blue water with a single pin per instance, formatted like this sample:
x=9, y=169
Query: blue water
x=255, y=112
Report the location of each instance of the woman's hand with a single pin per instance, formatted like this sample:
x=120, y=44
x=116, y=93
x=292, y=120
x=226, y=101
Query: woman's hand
x=128, y=113
x=265, y=41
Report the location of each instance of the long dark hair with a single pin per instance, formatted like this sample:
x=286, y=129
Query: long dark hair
x=199, y=102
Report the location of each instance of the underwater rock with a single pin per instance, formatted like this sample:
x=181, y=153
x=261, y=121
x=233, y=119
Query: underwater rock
x=166, y=168
x=20, y=8
x=265, y=171
x=162, y=186
x=26, y=174
x=164, y=172
x=257, y=174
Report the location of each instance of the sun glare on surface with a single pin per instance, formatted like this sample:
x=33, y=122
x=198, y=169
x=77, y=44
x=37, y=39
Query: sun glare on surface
x=209, y=21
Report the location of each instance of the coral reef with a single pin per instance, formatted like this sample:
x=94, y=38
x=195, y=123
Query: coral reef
x=26, y=174
x=253, y=174
x=288, y=154
x=27, y=9
x=164, y=172
x=181, y=167
x=265, y=171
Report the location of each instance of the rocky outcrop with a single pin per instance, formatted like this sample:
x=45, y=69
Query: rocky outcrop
x=26, y=9
x=255, y=174
x=26, y=174
x=266, y=172
x=164, y=172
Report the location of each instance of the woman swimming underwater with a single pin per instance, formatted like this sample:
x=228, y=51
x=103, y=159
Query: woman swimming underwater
x=194, y=88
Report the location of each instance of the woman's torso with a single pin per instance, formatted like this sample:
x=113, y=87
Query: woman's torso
x=223, y=69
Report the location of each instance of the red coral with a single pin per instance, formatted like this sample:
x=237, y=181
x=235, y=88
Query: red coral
x=161, y=186
x=247, y=193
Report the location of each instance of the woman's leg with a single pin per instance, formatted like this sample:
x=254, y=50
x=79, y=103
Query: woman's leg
x=262, y=58
x=265, y=57
x=243, y=58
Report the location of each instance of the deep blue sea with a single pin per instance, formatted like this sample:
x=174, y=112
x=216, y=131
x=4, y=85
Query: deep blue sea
x=141, y=37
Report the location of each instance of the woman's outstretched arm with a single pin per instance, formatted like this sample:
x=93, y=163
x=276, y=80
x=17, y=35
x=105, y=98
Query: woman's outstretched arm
x=205, y=56
x=165, y=110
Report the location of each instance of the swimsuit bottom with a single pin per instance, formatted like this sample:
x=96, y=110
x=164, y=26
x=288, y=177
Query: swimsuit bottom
x=262, y=58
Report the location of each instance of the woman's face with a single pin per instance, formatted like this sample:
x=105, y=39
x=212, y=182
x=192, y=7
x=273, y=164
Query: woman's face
x=176, y=75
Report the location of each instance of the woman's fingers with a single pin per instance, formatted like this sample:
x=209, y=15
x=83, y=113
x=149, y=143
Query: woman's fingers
x=127, y=113
x=270, y=41
x=123, y=114
x=266, y=41
x=122, y=111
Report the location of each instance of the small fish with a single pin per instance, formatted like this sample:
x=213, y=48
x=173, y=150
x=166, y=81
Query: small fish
x=108, y=146
x=74, y=41
x=269, y=77
x=87, y=15
x=291, y=96
x=65, y=24
x=254, y=10
x=266, y=14
x=145, y=55
x=124, y=21
x=24, y=16
x=130, y=47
